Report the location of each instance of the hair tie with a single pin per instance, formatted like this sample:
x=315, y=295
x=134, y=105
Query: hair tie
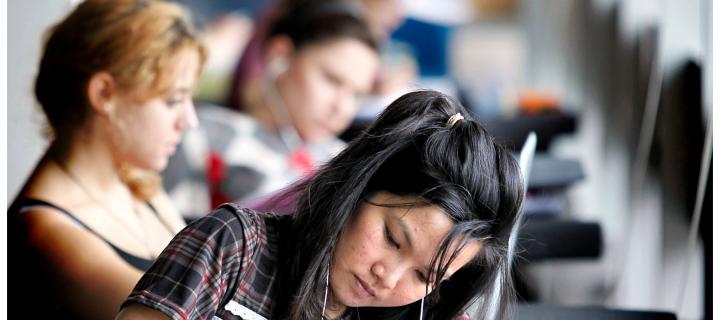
x=454, y=118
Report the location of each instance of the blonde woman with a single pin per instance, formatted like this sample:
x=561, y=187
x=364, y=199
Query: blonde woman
x=115, y=83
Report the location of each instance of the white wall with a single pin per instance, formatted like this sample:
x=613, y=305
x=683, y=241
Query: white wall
x=27, y=22
x=586, y=50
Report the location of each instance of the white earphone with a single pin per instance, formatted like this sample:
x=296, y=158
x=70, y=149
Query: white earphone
x=288, y=133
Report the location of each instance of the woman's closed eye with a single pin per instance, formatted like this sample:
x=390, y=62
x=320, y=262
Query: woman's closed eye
x=390, y=239
x=178, y=97
x=332, y=78
x=423, y=278
x=174, y=101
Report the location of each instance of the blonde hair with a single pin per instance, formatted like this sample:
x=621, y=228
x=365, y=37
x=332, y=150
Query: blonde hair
x=136, y=41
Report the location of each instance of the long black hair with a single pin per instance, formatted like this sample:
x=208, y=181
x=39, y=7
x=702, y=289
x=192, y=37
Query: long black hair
x=413, y=150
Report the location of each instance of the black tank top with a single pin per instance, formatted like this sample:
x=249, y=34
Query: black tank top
x=32, y=288
x=140, y=263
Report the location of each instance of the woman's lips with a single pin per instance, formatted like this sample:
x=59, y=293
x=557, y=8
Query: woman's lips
x=363, y=289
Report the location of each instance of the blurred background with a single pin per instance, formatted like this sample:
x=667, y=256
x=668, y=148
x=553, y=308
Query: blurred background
x=619, y=92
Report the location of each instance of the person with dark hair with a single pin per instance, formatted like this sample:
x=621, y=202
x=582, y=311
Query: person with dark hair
x=282, y=119
x=115, y=84
x=411, y=221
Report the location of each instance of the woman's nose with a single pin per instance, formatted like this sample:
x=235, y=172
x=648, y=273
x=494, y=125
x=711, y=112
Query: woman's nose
x=188, y=118
x=388, y=276
x=344, y=108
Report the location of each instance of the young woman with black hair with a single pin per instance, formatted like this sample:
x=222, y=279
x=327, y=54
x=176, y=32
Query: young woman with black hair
x=285, y=110
x=410, y=221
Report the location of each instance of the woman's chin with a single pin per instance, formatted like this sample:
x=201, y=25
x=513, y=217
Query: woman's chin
x=318, y=135
x=155, y=165
x=160, y=165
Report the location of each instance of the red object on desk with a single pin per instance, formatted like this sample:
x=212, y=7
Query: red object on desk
x=301, y=160
x=216, y=171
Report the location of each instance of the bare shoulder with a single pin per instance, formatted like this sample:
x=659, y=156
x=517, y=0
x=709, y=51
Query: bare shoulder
x=83, y=267
x=46, y=224
x=71, y=249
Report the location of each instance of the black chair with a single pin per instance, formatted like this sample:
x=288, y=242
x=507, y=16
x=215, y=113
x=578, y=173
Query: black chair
x=547, y=125
x=544, y=239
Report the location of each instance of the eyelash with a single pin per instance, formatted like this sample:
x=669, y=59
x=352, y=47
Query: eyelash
x=173, y=102
x=333, y=79
x=422, y=277
x=390, y=239
x=392, y=242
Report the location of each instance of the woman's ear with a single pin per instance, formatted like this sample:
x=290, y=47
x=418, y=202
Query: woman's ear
x=278, y=52
x=100, y=92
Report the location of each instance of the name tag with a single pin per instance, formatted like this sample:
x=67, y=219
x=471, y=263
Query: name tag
x=242, y=311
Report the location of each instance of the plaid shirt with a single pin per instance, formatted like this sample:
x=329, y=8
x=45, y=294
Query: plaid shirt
x=222, y=266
